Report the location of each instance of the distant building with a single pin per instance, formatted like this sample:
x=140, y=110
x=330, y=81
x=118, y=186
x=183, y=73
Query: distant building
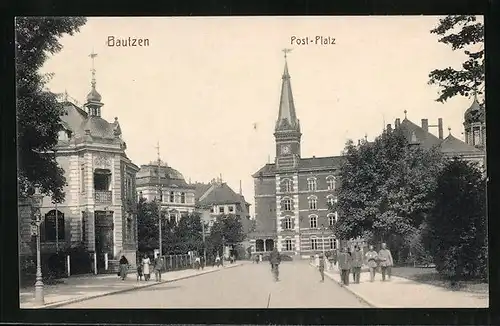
x=177, y=196
x=218, y=199
x=292, y=194
x=473, y=149
x=99, y=211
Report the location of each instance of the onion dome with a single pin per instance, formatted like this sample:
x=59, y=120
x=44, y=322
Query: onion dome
x=475, y=113
x=94, y=96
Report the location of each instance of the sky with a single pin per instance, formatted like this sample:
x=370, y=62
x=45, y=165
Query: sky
x=208, y=88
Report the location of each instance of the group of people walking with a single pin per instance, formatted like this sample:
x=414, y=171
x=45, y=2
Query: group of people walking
x=144, y=267
x=353, y=262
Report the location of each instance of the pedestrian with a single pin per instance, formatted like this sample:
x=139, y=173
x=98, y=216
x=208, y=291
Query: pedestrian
x=139, y=270
x=145, y=267
x=202, y=262
x=123, y=267
x=157, y=268
x=371, y=261
x=217, y=260
x=386, y=262
x=357, y=263
x=197, y=263
x=344, y=260
x=322, y=267
x=275, y=260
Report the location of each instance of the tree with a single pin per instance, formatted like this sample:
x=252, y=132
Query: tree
x=147, y=225
x=188, y=234
x=227, y=229
x=385, y=190
x=456, y=232
x=467, y=34
x=38, y=112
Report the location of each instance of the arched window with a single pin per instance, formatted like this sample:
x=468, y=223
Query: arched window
x=314, y=244
x=331, y=200
x=330, y=181
x=286, y=185
x=288, y=244
x=313, y=202
x=313, y=221
x=286, y=204
x=332, y=243
x=331, y=219
x=311, y=184
x=287, y=223
x=50, y=225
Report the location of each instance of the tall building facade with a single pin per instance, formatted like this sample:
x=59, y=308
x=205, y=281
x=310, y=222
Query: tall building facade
x=99, y=211
x=292, y=195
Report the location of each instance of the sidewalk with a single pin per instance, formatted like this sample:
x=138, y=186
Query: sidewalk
x=403, y=293
x=80, y=288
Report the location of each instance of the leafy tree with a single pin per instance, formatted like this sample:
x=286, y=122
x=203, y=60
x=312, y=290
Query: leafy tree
x=456, y=232
x=227, y=229
x=188, y=234
x=38, y=112
x=147, y=225
x=385, y=190
x=467, y=34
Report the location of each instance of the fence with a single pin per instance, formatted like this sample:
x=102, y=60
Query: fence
x=176, y=262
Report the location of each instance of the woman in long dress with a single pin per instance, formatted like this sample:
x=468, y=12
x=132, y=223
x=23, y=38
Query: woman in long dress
x=145, y=267
x=123, y=267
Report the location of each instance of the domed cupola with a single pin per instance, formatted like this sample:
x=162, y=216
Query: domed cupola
x=475, y=113
x=93, y=104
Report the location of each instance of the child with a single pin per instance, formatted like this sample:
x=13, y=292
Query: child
x=139, y=272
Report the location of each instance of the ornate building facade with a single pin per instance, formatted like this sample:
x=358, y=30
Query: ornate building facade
x=177, y=196
x=292, y=195
x=99, y=211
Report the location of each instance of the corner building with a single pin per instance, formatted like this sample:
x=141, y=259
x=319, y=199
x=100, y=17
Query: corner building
x=292, y=194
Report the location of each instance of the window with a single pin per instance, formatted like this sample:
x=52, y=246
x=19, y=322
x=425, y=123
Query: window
x=172, y=197
x=287, y=204
x=313, y=221
x=51, y=225
x=332, y=243
x=313, y=202
x=330, y=181
x=331, y=219
x=287, y=185
x=212, y=209
x=476, y=140
x=311, y=184
x=84, y=229
x=331, y=200
x=288, y=245
x=183, y=197
x=173, y=218
x=221, y=209
x=82, y=179
x=314, y=244
x=231, y=209
x=287, y=223
x=102, y=179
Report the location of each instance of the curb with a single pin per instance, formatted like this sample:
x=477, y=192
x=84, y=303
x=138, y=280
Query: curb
x=76, y=300
x=357, y=295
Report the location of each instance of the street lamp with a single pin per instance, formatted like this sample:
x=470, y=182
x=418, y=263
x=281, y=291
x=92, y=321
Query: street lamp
x=323, y=238
x=37, y=203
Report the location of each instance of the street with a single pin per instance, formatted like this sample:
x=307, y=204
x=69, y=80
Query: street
x=247, y=286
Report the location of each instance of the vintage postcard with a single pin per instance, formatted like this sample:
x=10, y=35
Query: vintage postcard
x=252, y=162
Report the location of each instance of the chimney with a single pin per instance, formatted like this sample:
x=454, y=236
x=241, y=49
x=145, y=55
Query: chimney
x=425, y=125
x=397, y=123
x=389, y=127
x=440, y=128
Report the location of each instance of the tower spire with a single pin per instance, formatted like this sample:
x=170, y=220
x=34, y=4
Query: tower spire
x=93, y=98
x=287, y=117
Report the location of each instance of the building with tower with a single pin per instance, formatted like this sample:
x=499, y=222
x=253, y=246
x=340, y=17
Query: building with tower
x=99, y=211
x=292, y=195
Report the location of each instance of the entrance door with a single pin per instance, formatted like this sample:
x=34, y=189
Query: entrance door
x=103, y=237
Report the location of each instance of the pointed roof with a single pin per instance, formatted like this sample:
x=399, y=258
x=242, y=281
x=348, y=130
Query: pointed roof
x=415, y=134
x=287, y=117
x=220, y=193
x=454, y=145
x=475, y=113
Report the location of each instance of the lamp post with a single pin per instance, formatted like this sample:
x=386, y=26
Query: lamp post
x=323, y=238
x=39, y=296
x=204, y=245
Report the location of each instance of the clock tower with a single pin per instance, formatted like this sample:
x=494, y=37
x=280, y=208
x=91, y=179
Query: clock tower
x=287, y=131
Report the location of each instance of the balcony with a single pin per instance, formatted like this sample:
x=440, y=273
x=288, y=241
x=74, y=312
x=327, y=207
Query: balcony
x=103, y=196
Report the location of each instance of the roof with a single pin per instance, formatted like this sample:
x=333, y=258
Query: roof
x=200, y=189
x=169, y=177
x=287, y=117
x=220, y=193
x=415, y=134
x=454, y=145
x=98, y=127
x=305, y=164
x=475, y=113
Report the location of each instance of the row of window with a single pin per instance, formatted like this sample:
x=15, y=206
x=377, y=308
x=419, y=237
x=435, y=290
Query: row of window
x=313, y=221
x=230, y=209
x=176, y=198
x=312, y=185
x=331, y=244
x=287, y=203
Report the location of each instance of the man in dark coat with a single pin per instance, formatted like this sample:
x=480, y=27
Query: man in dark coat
x=344, y=260
x=275, y=260
x=357, y=263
